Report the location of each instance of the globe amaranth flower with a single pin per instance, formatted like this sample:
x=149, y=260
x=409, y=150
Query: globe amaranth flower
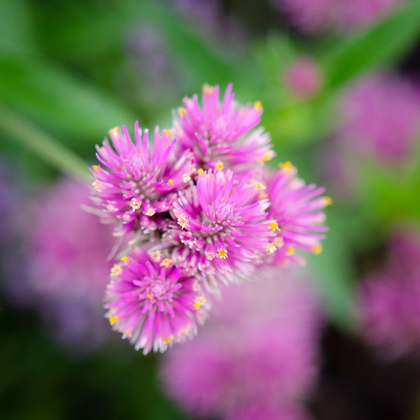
x=222, y=229
x=314, y=16
x=296, y=211
x=375, y=125
x=388, y=298
x=219, y=133
x=152, y=302
x=264, y=360
x=139, y=179
x=68, y=250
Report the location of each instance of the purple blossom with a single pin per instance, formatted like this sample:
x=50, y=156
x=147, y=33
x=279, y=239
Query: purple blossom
x=374, y=124
x=339, y=15
x=219, y=133
x=68, y=252
x=389, y=298
x=303, y=77
x=263, y=361
x=152, y=302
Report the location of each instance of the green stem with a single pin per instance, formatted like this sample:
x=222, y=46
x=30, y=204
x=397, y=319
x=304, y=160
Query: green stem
x=46, y=147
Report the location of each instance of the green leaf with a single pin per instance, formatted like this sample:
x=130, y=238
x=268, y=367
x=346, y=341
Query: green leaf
x=378, y=47
x=58, y=100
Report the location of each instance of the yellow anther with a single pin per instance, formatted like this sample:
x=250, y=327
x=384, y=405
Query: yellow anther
x=97, y=185
x=96, y=168
x=274, y=226
x=167, y=132
x=127, y=334
x=168, y=339
x=287, y=166
x=186, y=178
x=290, y=251
x=199, y=302
x=171, y=182
x=182, y=112
x=125, y=259
x=259, y=186
x=135, y=204
x=263, y=195
x=200, y=172
x=166, y=262
x=219, y=165
x=327, y=200
x=271, y=248
x=267, y=156
x=222, y=253
x=258, y=105
x=149, y=296
x=116, y=270
x=113, y=319
x=114, y=131
x=207, y=89
x=317, y=249
x=150, y=211
x=182, y=221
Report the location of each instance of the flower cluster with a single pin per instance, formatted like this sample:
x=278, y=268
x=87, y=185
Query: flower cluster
x=199, y=207
x=388, y=298
x=260, y=365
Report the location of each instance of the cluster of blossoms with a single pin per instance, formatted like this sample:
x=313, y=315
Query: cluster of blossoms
x=340, y=15
x=198, y=208
x=260, y=365
x=389, y=297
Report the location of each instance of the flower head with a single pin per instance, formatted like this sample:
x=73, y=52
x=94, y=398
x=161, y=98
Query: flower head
x=220, y=131
x=296, y=214
x=265, y=359
x=139, y=179
x=152, y=303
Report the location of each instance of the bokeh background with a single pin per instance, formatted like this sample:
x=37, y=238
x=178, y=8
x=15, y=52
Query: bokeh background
x=339, y=82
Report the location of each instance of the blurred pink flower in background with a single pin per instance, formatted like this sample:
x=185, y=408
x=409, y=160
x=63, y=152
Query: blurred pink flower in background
x=68, y=250
x=260, y=364
x=389, y=298
x=303, y=77
x=339, y=15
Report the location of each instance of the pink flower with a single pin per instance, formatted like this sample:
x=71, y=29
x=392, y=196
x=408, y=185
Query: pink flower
x=303, y=78
x=139, y=180
x=152, y=303
x=264, y=360
x=389, y=298
x=219, y=133
x=340, y=15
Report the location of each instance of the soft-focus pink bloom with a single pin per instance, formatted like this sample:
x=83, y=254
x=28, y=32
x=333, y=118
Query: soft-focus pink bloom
x=389, y=298
x=303, y=77
x=257, y=354
x=381, y=115
x=68, y=259
x=221, y=132
x=340, y=15
x=152, y=302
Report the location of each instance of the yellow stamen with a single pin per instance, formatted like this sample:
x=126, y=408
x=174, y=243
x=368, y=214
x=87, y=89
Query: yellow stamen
x=219, y=165
x=113, y=320
x=150, y=211
x=271, y=248
x=168, y=339
x=135, y=204
x=317, y=249
x=207, y=89
x=116, y=270
x=199, y=302
x=96, y=168
x=290, y=251
x=263, y=195
x=182, y=112
x=267, y=156
x=259, y=186
x=171, y=182
x=327, y=200
x=149, y=296
x=167, y=132
x=222, y=253
x=182, y=221
x=200, y=172
x=127, y=334
x=114, y=131
x=186, y=178
x=125, y=259
x=258, y=105
x=166, y=262
x=274, y=226
x=97, y=185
